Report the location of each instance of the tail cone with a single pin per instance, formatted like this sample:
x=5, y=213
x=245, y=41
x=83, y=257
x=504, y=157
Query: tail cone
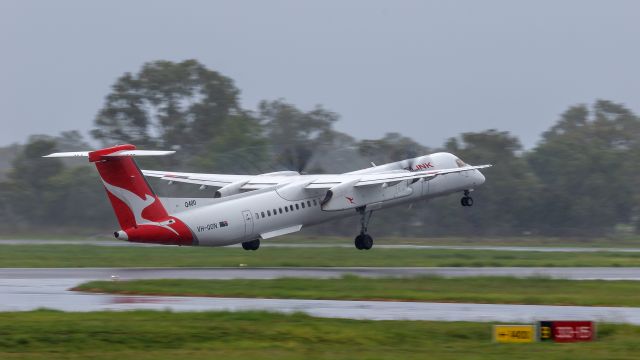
x=121, y=235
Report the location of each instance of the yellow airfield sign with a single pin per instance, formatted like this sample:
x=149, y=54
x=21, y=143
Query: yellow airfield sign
x=514, y=333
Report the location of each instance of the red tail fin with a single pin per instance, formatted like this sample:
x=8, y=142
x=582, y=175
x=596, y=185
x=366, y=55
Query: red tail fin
x=131, y=196
x=139, y=211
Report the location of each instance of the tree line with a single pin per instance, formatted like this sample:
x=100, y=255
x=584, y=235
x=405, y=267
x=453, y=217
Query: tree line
x=579, y=180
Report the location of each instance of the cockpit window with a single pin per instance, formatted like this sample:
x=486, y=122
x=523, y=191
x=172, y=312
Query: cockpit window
x=460, y=163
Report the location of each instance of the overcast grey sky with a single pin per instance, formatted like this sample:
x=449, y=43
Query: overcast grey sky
x=426, y=69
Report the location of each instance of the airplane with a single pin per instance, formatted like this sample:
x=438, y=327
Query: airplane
x=249, y=208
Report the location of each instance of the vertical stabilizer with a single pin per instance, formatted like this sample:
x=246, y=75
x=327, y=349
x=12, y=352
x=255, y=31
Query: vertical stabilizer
x=133, y=200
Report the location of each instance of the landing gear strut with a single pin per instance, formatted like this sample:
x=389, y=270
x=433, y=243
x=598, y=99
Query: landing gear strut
x=364, y=241
x=466, y=199
x=251, y=245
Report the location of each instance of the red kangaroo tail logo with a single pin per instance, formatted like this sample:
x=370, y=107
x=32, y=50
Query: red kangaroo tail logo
x=136, y=204
x=138, y=209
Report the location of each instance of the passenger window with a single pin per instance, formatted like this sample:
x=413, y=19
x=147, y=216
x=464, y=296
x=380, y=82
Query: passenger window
x=297, y=207
x=302, y=203
x=309, y=203
x=286, y=209
x=291, y=207
x=262, y=214
x=314, y=202
x=280, y=210
x=274, y=211
x=268, y=212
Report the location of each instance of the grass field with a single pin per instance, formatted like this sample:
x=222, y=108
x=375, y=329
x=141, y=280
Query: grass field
x=496, y=290
x=593, y=242
x=230, y=336
x=302, y=238
x=171, y=256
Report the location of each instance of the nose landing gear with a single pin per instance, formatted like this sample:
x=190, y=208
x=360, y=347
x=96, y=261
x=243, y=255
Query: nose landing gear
x=364, y=241
x=466, y=200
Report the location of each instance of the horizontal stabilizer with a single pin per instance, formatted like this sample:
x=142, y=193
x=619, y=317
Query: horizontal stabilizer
x=141, y=153
x=68, y=154
x=114, y=154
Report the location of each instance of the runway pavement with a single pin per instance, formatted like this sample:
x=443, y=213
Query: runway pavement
x=347, y=244
x=51, y=293
x=30, y=289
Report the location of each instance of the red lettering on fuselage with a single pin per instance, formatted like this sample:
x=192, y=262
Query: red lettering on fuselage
x=423, y=166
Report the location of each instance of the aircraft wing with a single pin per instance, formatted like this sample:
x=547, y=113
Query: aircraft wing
x=390, y=178
x=324, y=181
x=244, y=182
x=215, y=180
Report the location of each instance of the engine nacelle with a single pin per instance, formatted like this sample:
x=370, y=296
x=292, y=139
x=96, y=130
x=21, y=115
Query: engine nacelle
x=231, y=189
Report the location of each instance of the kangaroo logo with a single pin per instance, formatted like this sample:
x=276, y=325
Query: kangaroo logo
x=137, y=205
x=350, y=199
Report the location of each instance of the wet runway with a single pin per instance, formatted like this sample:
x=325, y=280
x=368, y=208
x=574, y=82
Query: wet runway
x=29, y=289
x=347, y=244
x=51, y=293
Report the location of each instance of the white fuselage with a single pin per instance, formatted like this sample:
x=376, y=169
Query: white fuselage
x=266, y=213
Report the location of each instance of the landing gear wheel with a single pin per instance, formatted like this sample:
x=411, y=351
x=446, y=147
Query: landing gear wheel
x=251, y=245
x=466, y=201
x=367, y=242
x=363, y=242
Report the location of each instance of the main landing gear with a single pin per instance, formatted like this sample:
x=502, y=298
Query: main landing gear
x=251, y=245
x=466, y=199
x=364, y=241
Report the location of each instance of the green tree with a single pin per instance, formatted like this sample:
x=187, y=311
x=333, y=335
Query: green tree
x=170, y=105
x=53, y=194
x=294, y=135
x=392, y=147
x=503, y=202
x=587, y=164
x=80, y=202
x=241, y=150
x=29, y=181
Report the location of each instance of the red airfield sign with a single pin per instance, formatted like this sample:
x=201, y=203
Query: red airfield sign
x=567, y=331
